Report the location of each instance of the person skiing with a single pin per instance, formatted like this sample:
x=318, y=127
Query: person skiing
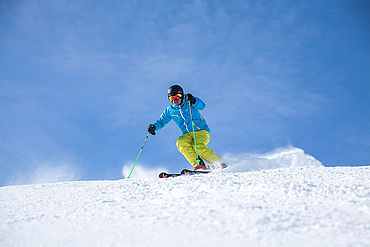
x=180, y=112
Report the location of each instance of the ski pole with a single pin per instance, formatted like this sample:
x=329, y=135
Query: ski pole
x=195, y=140
x=142, y=147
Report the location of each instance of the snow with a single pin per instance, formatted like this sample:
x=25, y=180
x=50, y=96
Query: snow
x=290, y=205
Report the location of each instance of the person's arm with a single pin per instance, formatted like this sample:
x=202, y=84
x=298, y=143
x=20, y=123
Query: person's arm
x=195, y=101
x=163, y=119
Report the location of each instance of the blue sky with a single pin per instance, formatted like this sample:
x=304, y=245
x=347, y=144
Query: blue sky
x=81, y=80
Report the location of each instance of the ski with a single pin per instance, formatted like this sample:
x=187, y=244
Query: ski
x=169, y=175
x=192, y=172
x=183, y=172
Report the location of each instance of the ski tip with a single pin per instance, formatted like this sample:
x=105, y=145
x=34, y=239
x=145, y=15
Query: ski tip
x=185, y=172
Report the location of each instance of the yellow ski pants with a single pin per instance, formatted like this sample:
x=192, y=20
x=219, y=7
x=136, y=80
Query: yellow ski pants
x=186, y=146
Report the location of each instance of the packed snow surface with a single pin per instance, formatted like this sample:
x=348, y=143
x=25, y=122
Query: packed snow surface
x=293, y=206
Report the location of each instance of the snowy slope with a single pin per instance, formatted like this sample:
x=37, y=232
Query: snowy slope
x=295, y=206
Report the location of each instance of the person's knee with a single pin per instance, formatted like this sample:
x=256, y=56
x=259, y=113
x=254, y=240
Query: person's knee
x=184, y=141
x=182, y=144
x=203, y=137
x=179, y=143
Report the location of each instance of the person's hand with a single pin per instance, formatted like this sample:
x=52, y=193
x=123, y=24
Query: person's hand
x=190, y=98
x=151, y=129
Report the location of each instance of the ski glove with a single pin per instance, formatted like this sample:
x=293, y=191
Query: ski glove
x=151, y=129
x=190, y=98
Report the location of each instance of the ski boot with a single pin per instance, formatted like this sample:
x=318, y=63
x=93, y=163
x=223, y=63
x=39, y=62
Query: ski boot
x=201, y=165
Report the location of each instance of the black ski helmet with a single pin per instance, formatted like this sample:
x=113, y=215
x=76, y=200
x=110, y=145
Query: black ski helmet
x=175, y=89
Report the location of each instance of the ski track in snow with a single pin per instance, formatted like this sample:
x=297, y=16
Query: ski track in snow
x=297, y=206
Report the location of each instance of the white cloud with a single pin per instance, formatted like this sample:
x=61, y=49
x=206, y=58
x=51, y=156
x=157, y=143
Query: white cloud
x=46, y=173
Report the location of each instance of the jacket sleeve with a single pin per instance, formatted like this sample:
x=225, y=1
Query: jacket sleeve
x=199, y=104
x=163, y=119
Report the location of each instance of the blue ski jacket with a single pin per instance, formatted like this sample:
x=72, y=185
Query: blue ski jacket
x=181, y=115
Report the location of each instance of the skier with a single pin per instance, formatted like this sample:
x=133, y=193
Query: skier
x=180, y=112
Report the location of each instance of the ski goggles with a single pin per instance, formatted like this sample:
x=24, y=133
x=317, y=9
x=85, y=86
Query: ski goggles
x=175, y=97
